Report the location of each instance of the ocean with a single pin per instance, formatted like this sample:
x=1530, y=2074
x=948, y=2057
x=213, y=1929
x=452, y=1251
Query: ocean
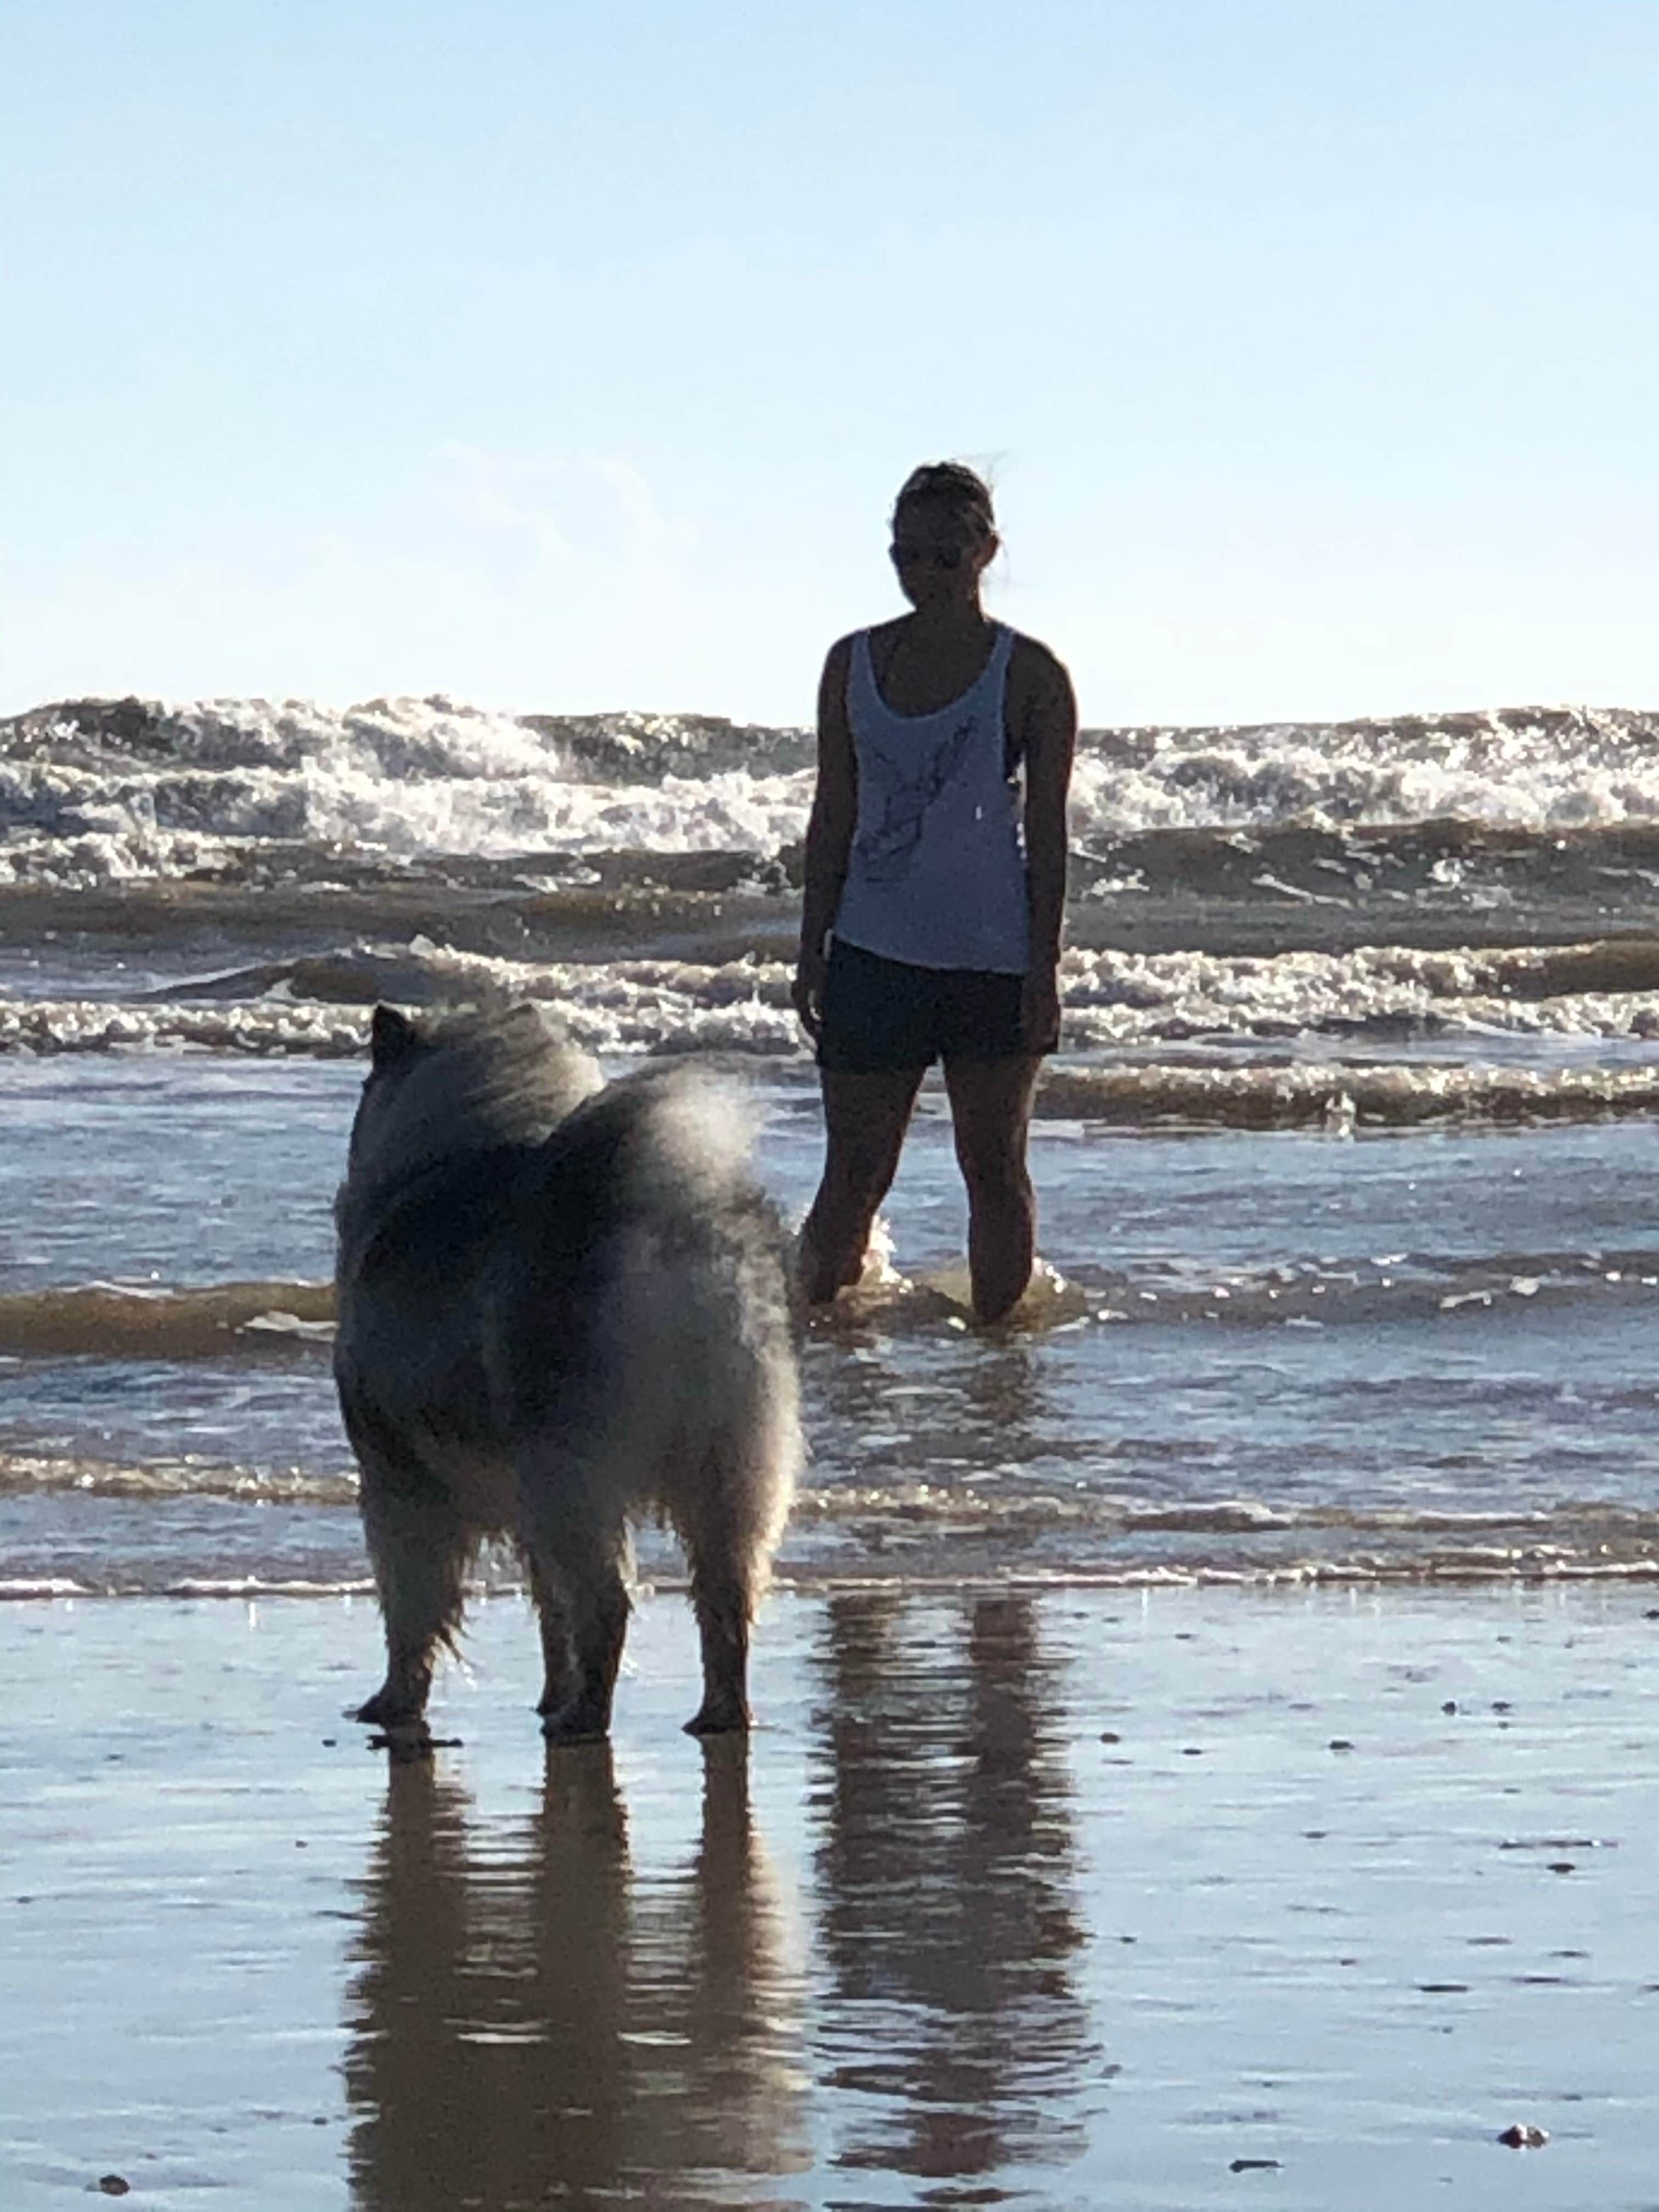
x=1347, y=1170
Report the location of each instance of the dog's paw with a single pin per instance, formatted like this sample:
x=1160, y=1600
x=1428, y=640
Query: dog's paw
x=718, y=1720
x=385, y=1709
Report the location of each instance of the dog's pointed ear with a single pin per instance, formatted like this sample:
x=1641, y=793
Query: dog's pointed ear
x=392, y=1037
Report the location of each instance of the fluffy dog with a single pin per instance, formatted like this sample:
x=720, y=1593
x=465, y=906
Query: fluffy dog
x=561, y=1305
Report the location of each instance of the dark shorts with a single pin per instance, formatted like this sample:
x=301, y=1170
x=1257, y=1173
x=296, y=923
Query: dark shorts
x=882, y=1016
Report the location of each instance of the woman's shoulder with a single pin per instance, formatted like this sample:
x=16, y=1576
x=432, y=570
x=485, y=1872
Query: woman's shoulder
x=1028, y=652
x=1035, y=667
x=844, y=647
x=835, y=680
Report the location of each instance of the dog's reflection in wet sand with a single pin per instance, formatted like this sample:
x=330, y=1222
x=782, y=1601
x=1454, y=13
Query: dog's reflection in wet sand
x=531, y=2020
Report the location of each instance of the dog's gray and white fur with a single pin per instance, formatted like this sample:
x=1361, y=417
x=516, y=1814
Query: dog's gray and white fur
x=561, y=1305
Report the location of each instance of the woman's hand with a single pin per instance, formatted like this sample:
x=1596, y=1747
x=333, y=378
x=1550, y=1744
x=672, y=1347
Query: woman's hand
x=1039, y=1008
x=807, y=993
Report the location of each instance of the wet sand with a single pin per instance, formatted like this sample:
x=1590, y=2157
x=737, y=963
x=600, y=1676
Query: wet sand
x=1202, y=1898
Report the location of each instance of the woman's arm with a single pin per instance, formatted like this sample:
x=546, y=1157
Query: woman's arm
x=1048, y=735
x=829, y=836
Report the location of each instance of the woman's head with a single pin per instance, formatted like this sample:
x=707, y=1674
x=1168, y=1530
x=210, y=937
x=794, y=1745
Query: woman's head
x=944, y=533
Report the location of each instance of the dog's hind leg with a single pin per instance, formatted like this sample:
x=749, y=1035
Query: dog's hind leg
x=575, y=1554
x=419, y=1547
x=723, y=1594
x=729, y=1521
x=553, y=1615
x=723, y=1608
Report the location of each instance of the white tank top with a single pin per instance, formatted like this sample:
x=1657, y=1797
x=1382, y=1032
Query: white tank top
x=936, y=876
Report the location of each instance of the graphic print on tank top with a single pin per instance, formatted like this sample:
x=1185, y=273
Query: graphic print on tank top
x=936, y=867
x=886, y=849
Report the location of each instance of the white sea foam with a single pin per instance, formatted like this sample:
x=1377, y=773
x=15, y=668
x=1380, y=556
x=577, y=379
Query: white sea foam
x=1532, y=768
x=1116, y=998
x=1112, y=1000
x=403, y=781
x=88, y=795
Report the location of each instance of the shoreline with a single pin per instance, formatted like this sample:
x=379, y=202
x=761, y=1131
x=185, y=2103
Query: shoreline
x=1288, y=1584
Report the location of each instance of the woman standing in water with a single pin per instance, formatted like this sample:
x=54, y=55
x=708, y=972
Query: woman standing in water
x=935, y=892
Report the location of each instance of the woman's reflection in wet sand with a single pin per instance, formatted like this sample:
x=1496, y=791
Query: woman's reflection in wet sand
x=947, y=1876
x=532, y=2023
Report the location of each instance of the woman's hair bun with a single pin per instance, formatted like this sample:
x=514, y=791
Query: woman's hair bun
x=952, y=484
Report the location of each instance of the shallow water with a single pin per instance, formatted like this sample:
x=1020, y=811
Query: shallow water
x=1348, y=1171
x=1423, y=1353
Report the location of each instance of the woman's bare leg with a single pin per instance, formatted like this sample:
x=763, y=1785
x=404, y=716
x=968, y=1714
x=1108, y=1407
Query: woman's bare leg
x=865, y=1119
x=991, y=1114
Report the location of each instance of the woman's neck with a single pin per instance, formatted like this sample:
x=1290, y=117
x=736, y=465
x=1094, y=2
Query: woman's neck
x=954, y=619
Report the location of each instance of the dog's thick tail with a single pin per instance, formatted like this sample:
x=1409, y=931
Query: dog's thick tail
x=670, y=1141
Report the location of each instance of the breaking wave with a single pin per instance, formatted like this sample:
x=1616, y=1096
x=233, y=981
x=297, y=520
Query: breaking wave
x=115, y=1320
x=1378, y=1036
x=93, y=790
x=283, y=1320
x=106, y=791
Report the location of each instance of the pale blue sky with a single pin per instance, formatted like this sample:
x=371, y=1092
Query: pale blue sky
x=568, y=356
